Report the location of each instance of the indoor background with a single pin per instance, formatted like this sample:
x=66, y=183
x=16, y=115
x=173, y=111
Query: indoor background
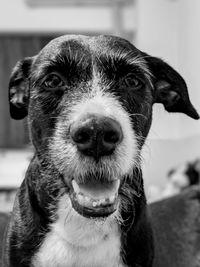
x=169, y=29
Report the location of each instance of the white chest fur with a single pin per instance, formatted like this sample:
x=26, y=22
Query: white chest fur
x=75, y=241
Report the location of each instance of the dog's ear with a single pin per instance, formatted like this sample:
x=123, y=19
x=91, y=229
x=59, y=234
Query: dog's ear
x=170, y=88
x=19, y=89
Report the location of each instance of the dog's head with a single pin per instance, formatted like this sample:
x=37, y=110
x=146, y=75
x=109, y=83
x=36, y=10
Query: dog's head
x=89, y=105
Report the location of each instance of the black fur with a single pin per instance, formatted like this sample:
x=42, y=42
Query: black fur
x=74, y=60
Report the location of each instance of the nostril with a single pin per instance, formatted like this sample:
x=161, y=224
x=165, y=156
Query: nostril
x=112, y=134
x=111, y=137
x=80, y=136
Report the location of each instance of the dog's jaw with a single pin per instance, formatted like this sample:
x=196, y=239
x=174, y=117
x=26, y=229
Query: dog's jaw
x=95, y=199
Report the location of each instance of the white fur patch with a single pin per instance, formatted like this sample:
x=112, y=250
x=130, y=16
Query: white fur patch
x=75, y=241
x=65, y=154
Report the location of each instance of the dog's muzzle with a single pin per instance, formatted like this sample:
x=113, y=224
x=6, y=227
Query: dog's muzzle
x=96, y=137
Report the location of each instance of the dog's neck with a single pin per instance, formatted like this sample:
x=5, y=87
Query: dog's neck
x=86, y=242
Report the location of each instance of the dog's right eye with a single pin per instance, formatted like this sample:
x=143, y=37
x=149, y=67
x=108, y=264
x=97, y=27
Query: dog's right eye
x=53, y=81
x=132, y=81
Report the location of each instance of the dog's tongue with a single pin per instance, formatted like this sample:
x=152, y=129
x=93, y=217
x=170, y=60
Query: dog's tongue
x=96, y=190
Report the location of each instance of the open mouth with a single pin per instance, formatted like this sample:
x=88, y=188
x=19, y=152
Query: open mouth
x=95, y=198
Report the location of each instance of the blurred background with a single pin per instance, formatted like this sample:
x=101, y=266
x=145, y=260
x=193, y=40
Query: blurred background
x=169, y=29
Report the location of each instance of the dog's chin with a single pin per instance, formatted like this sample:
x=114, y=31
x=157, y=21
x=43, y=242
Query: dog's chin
x=95, y=199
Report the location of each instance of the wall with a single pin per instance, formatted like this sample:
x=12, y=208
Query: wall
x=18, y=16
x=157, y=35
x=189, y=56
x=161, y=155
x=170, y=30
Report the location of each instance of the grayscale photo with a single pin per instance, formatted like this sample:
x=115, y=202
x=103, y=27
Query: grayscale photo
x=99, y=133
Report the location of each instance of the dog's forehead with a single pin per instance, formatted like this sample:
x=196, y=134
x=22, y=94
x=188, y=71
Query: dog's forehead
x=89, y=44
x=85, y=54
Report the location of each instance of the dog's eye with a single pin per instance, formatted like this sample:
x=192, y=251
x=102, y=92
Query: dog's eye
x=131, y=81
x=53, y=81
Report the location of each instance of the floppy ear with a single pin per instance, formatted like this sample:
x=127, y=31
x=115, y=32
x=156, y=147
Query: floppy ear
x=19, y=89
x=170, y=88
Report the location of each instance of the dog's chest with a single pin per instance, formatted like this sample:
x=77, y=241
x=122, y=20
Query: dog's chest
x=75, y=241
x=56, y=253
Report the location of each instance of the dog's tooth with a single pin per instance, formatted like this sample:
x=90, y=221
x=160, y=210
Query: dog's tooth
x=112, y=198
x=97, y=202
x=107, y=200
x=117, y=184
x=80, y=198
x=94, y=204
x=75, y=186
x=87, y=199
x=100, y=201
x=103, y=201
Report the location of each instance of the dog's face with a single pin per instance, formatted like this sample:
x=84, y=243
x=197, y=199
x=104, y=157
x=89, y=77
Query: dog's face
x=89, y=104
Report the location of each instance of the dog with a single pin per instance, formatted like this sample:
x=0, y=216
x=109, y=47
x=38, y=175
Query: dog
x=89, y=105
x=182, y=177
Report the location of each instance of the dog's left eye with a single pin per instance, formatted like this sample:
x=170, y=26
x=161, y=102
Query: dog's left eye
x=131, y=81
x=53, y=81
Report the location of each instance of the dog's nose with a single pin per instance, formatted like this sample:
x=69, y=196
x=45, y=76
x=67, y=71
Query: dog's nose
x=96, y=136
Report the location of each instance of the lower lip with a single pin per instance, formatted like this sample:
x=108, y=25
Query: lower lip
x=89, y=212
